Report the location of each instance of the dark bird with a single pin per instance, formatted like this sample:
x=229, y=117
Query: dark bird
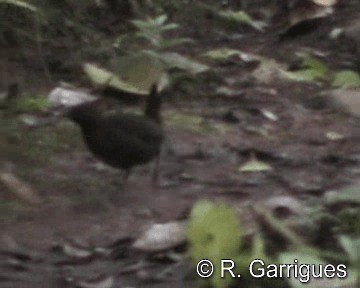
x=120, y=139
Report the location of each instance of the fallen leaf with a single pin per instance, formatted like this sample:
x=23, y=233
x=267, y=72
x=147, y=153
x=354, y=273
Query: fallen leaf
x=175, y=60
x=242, y=17
x=254, y=165
x=347, y=79
x=349, y=194
x=160, y=237
x=334, y=136
x=312, y=70
x=142, y=70
x=21, y=189
x=105, y=78
x=223, y=54
x=101, y=281
x=269, y=115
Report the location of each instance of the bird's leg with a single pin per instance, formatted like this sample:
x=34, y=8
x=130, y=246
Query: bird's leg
x=155, y=176
x=126, y=175
x=114, y=197
x=123, y=178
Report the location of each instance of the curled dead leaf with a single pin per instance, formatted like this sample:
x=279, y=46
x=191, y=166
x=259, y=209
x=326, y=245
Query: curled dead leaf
x=20, y=189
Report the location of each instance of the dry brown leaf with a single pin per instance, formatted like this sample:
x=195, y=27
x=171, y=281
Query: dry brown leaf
x=19, y=188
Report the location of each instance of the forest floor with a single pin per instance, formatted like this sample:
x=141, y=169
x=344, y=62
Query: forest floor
x=209, y=139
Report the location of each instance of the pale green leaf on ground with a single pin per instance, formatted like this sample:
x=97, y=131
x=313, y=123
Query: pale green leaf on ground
x=214, y=233
x=222, y=54
x=103, y=77
x=254, y=165
x=29, y=104
x=200, y=209
x=305, y=75
x=140, y=70
x=312, y=70
x=175, y=60
x=313, y=63
x=352, y=248
x=194, y=123
x=310, y=258
x=349, y=195
x=302, y=258
x=347, y=79
x=242, y=17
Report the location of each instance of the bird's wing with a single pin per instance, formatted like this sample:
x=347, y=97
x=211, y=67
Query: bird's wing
x=109, y=143
x=136, y=126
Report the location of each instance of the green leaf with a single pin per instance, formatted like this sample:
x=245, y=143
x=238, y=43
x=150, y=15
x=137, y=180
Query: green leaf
x=140, y=24
x=310, y=257
x=254, y=165
x=313, y=63
x=222, y=54
x=175, y=60
x=140, y=70
x=349, y=194
x=194, y=123
x=305, y=75
x=170, y=26
x=103, y=77
x=29, y=104
x=152, y=30
x=312, y=70
x=242, y=17
x=161, y=19
x=164, y=43
x=352, y=248
x=156, y=24
x=214, y=233
x=347, y=79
